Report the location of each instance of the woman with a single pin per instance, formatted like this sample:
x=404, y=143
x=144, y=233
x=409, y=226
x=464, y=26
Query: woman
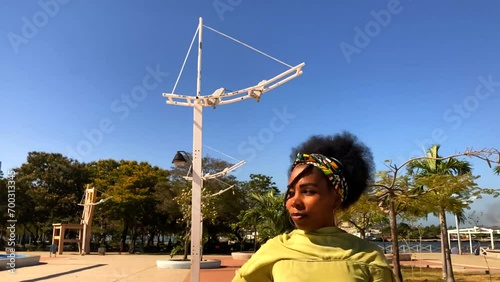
x=329, y=173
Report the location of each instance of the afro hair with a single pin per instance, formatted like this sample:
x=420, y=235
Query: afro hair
x=356, y=159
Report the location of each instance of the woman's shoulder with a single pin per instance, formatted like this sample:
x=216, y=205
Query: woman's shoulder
x=334, y=242
x=260, y=264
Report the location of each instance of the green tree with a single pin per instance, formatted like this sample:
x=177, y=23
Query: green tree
x=49, y=186
x=404, y=230
x=209, y=211
x=132, y=186
x=164, y=195
x=248, y=217
x=391, y=189
x=261, y=184
x=220, y=206
x=223, y=199
x=441, y=178
x=268, y=215
x=432, y=231
x=363, y=215
x=229, y=205
x=394, y=195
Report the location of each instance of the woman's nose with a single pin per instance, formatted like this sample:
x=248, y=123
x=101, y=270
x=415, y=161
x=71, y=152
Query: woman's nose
x=297, y=201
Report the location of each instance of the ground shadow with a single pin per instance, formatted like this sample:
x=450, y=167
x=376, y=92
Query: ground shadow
x=26, y=266
x=63, y=273
x=38, y=264
x=225, y=266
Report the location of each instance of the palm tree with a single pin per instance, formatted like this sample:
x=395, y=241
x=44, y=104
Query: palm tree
x=267, y=216
x=497, y=169
x=443, y=178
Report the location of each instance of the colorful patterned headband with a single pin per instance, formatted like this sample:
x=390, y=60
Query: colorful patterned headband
x=330, y=167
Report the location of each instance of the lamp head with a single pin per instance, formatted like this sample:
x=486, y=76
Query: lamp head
x=179, y=159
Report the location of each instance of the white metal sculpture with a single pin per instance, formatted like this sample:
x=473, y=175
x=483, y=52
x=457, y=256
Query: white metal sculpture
x=198, y=102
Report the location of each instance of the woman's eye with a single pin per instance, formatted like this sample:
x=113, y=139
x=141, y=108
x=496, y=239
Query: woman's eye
x=290, y=194
x=309, y=192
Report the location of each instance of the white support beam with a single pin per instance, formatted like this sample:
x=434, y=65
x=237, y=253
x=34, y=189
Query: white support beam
x=220, y=97
x=220, y=173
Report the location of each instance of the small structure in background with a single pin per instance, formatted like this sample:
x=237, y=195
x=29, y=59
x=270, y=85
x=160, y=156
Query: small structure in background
x=469, y=232
x=84, y=228
x=86, y=220
x=58, y=236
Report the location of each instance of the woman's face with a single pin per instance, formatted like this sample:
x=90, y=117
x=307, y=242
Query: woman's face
x=310, y=199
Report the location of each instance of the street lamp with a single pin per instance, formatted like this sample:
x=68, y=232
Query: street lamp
x=180, y=158
x=198, y=102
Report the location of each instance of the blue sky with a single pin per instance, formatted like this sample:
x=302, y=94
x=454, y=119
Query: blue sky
x=401, y=75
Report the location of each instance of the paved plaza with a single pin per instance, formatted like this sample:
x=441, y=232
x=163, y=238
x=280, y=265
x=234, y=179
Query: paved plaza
x=126, y=267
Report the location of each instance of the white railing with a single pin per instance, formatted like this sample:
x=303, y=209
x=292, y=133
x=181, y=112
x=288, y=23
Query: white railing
x=412, y=249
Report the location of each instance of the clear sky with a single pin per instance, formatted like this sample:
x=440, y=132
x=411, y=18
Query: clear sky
x=401, y=75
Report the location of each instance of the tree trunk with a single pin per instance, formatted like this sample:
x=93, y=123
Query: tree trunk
x=124, y=234
x=133, y=242
x=37, y=235
x=151, y=238
x=445, y=249
x=362, y=233
x=255, y=238
x=365, y=226
x=32, y=236
x=395, y=246
x=23, y=237
x=186, y=244
x=443, y=257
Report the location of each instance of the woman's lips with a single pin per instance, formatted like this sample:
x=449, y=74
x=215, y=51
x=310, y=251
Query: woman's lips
x=297, y=216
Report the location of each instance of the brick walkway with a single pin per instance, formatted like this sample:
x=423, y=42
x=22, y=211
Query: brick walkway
x=225, y=273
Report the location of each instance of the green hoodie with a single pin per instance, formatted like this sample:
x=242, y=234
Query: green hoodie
x=327, y=254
